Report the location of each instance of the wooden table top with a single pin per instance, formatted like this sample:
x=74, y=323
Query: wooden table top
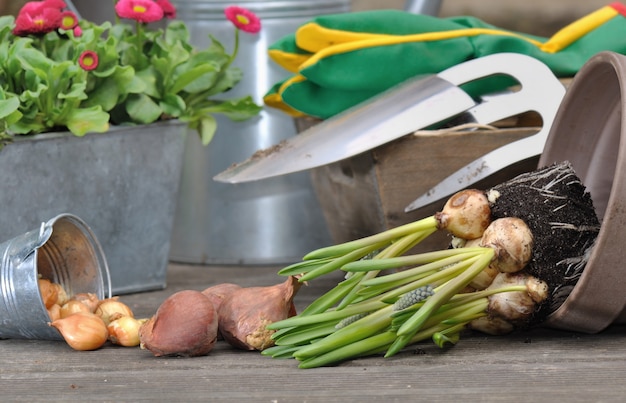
x=538, y=365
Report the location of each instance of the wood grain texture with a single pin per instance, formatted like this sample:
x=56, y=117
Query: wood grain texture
x=539, y=365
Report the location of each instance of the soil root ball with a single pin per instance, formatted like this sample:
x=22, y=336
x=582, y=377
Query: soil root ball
x=555, y=205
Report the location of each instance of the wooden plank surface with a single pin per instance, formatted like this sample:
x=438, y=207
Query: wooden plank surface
x=539, y=365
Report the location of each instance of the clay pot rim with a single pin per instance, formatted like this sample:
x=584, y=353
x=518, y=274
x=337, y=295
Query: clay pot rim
x=589, y=131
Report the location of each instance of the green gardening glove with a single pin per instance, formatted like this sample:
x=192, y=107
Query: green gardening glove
x=341, y=60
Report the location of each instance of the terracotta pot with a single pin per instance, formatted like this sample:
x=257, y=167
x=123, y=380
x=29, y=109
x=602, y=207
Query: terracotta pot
x=590, y=131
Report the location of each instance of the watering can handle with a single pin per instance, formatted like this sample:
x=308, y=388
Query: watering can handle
x=427, y=7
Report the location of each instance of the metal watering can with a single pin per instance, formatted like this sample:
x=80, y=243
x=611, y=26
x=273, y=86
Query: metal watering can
x=278, y=220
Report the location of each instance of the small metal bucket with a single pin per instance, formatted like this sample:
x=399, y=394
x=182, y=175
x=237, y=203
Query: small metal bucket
x=63, y=250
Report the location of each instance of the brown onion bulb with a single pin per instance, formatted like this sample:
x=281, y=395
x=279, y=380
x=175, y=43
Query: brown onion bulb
x=184, y=325
x=220, y=292
x=217, y=294
x=244, y=316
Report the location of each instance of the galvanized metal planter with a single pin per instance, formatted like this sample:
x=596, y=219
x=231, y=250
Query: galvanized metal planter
x=62, y=250
x=122, y=183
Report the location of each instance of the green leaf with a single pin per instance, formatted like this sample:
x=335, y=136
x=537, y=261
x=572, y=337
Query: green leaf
x=441, y=339
x=173, y=105
x=237, y=109
x=106, y=95
x=75, y=92
x=83, y=121
x=148, y=78
x=110, y=91
x=227, y=80
x=135, y=85
x=196, y=79
x=207, y=129
x=142, y=109
x=32, y=96
x=8, y=107
x=175, y=32
x=108, y=57
x=175, y=55
x=34, y=61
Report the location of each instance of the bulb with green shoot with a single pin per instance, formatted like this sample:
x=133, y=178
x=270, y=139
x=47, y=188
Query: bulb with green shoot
x=501, y=274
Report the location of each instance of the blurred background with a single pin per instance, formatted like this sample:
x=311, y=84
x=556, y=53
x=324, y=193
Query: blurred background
x=537, y=17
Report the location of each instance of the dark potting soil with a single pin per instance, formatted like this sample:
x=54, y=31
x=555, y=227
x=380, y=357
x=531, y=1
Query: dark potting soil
x=559, y=211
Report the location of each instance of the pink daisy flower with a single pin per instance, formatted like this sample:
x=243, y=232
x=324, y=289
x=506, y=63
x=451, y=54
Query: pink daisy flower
x=140, y=10
x=243, y=19
x=36, y=7
x=88, y=60
x=47, y=20
x=168, y=8
x=69, y=20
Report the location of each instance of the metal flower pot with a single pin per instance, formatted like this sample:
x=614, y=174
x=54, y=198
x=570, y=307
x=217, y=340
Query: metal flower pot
x=123, y=183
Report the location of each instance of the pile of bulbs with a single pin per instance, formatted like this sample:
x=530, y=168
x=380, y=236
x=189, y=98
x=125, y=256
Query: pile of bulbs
x=86, y=322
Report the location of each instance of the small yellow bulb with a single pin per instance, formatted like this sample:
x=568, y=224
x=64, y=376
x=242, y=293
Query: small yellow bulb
x=54, y=312
x=124, y=331
x=111, y=309
x=62, y=297
x=48, y=292
x=73, y=306
x=82, y=331
x=87, y=298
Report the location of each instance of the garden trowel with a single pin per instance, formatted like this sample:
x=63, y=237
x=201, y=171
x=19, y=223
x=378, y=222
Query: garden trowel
x=415, y=104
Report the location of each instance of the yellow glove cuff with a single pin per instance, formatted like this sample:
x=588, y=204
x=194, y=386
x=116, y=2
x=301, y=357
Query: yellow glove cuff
x=572, y=32
x=274, y=98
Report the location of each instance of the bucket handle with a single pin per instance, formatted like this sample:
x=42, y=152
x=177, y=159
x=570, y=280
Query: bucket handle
x=29, y=242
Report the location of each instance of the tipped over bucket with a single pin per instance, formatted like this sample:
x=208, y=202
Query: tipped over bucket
x=63, y=250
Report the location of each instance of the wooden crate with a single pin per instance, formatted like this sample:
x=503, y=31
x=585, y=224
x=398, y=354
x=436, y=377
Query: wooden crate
x=367, y=194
